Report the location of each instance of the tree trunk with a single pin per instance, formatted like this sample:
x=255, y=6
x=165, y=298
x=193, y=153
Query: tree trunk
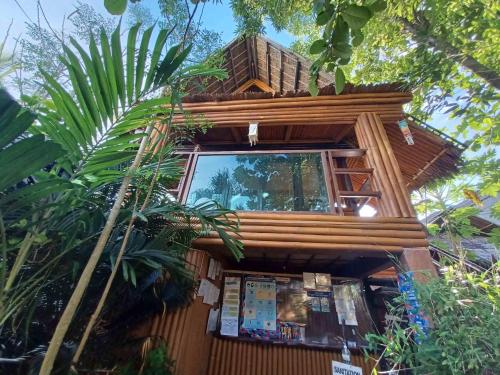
x=104, y=295
x=83, y=282
x=421, y=37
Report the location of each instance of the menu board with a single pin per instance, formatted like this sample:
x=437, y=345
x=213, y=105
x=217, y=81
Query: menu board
x=230, y=307
x=259, y=312
x=282, y=310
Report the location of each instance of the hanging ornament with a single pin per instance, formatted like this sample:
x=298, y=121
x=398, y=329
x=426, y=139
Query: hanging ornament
x=403, y=125
x=253, y=133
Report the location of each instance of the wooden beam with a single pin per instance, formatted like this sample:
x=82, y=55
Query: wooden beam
x=254, y=54
x=254, y=82
x=347, y=99
x=341, y=134
x=353, y=170
x=427, y=165
x=236, y=135
x=359, y=194
x=281, y=71
x=288, y=133
x=268, y=61
x=232, y=67
x=297, y=76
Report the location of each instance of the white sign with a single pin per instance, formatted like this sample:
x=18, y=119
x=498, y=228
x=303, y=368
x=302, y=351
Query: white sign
x=339, y=368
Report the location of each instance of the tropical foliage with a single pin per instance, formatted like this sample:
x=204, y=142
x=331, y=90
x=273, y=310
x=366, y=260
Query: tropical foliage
x=464, y=310
x=87, y=197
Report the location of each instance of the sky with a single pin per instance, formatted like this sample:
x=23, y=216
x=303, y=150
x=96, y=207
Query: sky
x=217, y=17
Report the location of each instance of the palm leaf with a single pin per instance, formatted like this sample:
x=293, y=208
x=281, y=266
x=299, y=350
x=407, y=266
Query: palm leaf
x=21, y=156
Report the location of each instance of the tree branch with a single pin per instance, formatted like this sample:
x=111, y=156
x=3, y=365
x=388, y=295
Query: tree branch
x=422, y=37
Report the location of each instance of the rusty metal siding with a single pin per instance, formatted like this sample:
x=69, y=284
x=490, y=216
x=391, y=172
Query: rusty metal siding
x=230, y=357
x=183, y=330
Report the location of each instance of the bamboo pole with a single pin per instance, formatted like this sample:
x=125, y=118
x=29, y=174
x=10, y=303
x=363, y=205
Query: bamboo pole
x=377, y=184
x=325, y=217
x=392, y=166
x=307, y=246
x=326, y=224
x=329, y=231
x=400, y=98
x=327, y=239
x=366, y=140
x=296, y=108
x=373, y=128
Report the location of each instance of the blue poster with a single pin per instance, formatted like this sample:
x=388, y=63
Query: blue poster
x=259, y=312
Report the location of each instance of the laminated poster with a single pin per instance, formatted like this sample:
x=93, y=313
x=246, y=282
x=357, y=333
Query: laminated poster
x=230, y=307
x=260, y=305
x=344, y=305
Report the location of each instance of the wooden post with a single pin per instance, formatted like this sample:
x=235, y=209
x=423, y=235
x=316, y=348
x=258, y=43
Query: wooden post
x=371, y=135
x=419, y=261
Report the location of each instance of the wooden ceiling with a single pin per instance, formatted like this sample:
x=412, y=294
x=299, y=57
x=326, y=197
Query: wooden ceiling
x=262, y=59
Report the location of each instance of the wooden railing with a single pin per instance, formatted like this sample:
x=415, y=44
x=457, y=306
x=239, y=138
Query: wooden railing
x=348, y=181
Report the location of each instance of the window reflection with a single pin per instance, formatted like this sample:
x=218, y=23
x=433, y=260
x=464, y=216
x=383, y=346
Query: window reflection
x=261, y=182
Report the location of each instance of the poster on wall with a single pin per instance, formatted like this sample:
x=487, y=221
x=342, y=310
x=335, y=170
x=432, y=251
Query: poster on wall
x=230, y=307
x=259, y=311
x=344, y=304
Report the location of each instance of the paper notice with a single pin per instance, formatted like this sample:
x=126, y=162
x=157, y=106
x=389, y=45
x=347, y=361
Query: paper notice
x=344, y=304
x=212, y=320
x=229, y=327
x=309, y=280
x=230, y=307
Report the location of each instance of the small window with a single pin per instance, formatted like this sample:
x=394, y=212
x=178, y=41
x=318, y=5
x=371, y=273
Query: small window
x=261, y=182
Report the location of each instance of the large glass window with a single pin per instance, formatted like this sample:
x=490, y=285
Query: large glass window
x=261, y=182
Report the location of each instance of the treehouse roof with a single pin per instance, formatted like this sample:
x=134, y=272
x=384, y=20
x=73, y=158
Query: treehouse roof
x=260, y=70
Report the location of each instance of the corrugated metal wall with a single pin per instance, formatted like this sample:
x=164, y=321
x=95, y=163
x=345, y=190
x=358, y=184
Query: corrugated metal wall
x=183, y=330
x=230, y=357
x=196, y=353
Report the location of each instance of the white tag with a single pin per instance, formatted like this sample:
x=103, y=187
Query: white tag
x=253, y=133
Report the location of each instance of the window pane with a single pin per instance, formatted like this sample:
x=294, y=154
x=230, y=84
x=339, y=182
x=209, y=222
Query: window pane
x=261, y=182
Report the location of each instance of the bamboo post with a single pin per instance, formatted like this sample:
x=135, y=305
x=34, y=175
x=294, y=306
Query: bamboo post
x=372, y=136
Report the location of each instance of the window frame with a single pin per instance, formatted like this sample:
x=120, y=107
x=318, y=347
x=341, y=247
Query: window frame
x=324, y=163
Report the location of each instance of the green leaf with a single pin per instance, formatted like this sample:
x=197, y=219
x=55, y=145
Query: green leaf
x=116, y=51
x=357, y=38
x=94, y=80
x=323, y=17
x=356, y=16
x=25, y=158
x=101, y=75
x=132, y=36
x=116, y=7
x=317, y=47
x=14, y=121
x=342, y=50
x=168, y=67
x=377, y=6
x=110, y=70
x=155, y=56
x=313, y=85
x=339, y=80
x=141, y=61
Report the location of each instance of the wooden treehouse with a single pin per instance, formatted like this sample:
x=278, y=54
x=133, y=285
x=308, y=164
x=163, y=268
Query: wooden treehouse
x=323, y=199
